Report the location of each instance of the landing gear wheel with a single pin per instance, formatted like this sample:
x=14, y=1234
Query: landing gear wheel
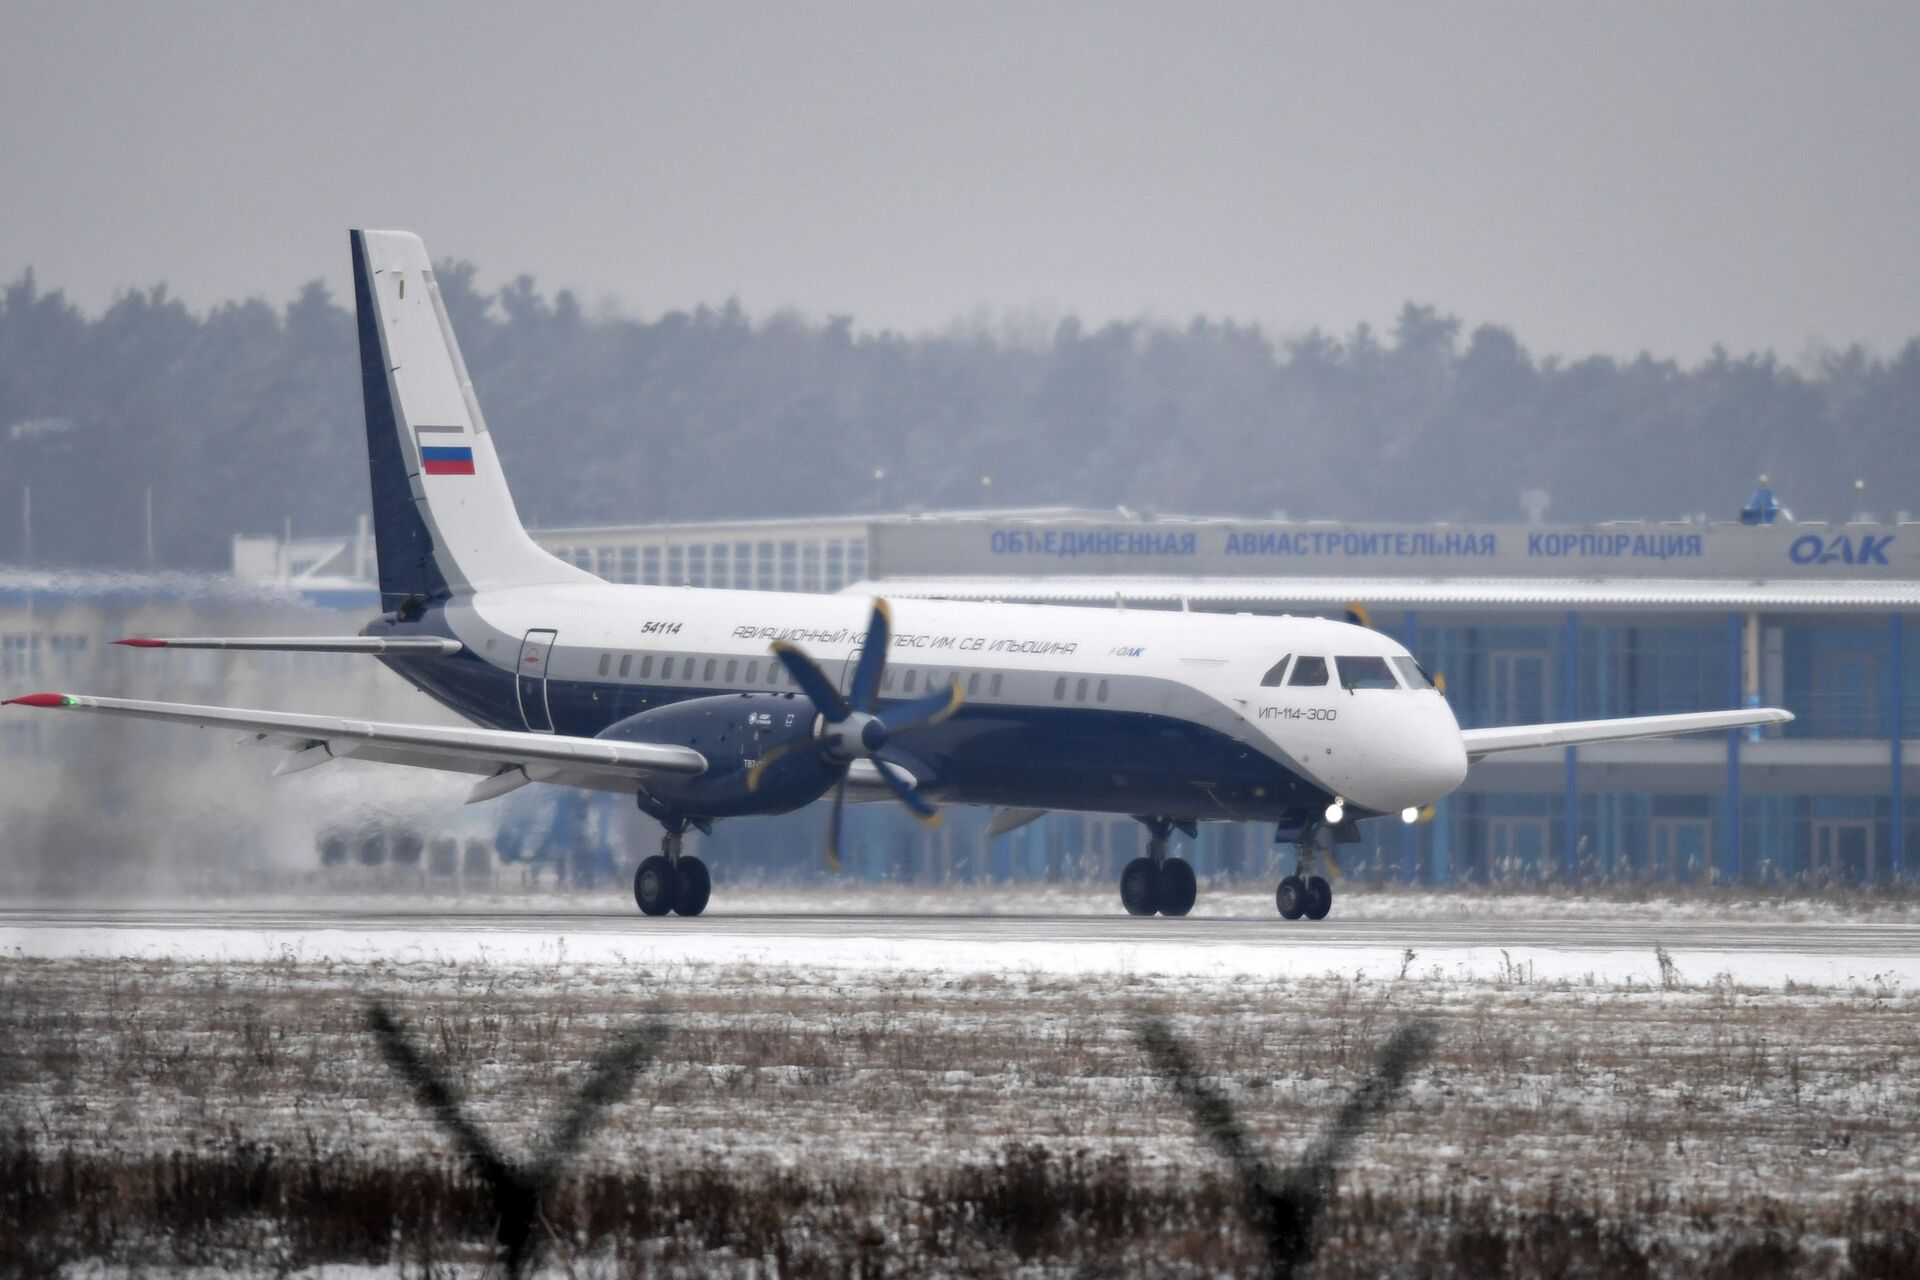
x=1140, y=887
x=1178, y=888
x=655, y=886
x=1291, y=898
x=1319, y=898
x=696, y=886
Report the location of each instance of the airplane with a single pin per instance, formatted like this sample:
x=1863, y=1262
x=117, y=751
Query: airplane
x=712, y=704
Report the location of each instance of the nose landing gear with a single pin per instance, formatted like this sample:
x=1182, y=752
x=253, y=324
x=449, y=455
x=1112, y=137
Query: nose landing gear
x=1306, y=892
x=670, y=881
x=1157, y=883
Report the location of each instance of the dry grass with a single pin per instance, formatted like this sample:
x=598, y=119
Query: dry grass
x=805, y=1123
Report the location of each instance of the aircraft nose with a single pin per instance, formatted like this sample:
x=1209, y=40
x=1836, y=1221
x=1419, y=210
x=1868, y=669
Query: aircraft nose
x=1429, y=758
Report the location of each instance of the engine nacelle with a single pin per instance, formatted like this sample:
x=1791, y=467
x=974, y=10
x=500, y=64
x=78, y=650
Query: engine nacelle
x=733, y=731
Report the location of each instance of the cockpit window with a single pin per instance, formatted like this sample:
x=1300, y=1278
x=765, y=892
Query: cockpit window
x=1308, y=670
x=1365, y=673
x=1273, y=677
x=1412, y=673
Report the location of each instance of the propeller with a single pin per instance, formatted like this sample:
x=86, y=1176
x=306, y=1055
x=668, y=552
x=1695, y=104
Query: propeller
x=856, y=727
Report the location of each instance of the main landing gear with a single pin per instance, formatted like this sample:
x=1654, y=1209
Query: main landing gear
x=670, y=880
x=1157, y=883
x=1306, y=892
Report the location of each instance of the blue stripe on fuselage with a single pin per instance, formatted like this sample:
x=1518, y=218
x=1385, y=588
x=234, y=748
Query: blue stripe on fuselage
x=1084, y=758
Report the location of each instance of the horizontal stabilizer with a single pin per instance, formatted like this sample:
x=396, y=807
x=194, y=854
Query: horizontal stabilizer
x=1574, y=733
x=418, y=646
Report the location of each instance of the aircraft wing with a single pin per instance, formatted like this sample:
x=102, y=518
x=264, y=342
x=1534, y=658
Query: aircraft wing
x=508, y=759
x=1573, y=733
x=432, y=646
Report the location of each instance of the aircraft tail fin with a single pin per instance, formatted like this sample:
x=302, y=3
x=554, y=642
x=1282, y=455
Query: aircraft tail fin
x=443, y=520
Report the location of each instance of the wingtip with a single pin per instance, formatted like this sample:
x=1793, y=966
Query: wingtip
x=142, y=642
x=39, y=700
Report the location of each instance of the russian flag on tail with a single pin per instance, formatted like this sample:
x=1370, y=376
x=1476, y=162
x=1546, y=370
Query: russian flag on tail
x=444, y=459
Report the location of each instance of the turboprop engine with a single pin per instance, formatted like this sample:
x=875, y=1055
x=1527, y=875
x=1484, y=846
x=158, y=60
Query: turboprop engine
x=735, y=732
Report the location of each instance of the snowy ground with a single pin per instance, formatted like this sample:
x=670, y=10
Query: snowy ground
x=852, y=1087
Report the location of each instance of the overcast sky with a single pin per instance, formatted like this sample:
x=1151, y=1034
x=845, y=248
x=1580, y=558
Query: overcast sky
x=1599, y=177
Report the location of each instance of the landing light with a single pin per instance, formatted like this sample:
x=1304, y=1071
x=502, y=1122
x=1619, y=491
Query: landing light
x=1409, y=816
x=1336, y=814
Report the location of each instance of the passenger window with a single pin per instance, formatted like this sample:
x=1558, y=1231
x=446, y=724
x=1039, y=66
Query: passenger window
x=906, y=683
x=1308, y=671
x=753, y=673
x=1412, y=674
x=1080, y=690
x=973, y=685
x=1102, y=694
x=626, y=665
x=886, y=682
x=993, y=687
x=709, y=676
x=732, y=666
x=666, y=668
x=646, y=667
x=1365, y=673
x=606, y=663
x=1275, y=674
x=1060, y=689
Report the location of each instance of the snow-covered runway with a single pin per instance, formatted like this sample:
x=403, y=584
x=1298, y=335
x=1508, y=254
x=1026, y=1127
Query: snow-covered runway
x=1609, y=948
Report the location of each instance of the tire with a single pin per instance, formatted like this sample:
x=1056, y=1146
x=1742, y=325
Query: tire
x=1178, y=888
x=696, y=886
x=1291, y=898
x=655, y=886
x=1319, y=898
x=1140, y=887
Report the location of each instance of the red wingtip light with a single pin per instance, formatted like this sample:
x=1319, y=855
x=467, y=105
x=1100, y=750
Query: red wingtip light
x=38, y=700
x=142, y=642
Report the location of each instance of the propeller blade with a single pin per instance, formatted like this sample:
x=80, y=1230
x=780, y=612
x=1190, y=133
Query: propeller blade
x=921, y=712
x=833, y=827
x=873, y=658
x=813, y=682
x=778, y=754
x=907, y=795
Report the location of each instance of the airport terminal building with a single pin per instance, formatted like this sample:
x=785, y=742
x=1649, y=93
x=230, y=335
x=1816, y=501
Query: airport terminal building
x=1523, y=623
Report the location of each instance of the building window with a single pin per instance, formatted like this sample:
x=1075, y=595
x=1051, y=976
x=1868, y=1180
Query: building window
x=810, y=566
x=608, y=563
x=629, y=565
x=763, y=567
x=722, y=571
x=743, y=565
x=836, y=575
x=697, y=565
x=20, y=654
x=650, y=566
x=856, y=559
x=676, y=566
x=789, y=566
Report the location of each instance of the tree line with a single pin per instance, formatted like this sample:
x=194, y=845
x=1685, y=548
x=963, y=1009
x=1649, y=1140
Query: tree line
x=247, y=417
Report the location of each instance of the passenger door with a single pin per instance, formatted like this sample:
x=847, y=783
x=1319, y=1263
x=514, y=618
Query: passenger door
x=530, y=680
